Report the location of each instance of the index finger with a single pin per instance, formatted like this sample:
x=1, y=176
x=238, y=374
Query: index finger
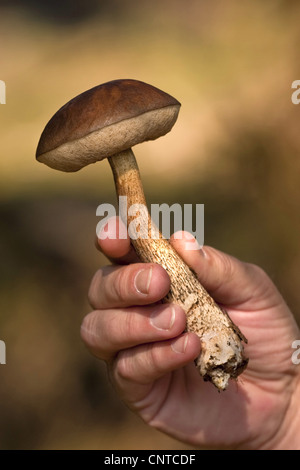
x=114, y=242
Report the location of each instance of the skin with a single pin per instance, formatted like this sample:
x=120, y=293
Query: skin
x=150, y=358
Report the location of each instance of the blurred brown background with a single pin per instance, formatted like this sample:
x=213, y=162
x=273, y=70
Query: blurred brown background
x=235, y=148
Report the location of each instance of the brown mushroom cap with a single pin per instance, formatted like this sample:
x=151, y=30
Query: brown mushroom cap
x=103, y=121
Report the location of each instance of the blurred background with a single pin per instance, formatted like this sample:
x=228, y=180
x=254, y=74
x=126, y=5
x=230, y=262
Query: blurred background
x=235, y=148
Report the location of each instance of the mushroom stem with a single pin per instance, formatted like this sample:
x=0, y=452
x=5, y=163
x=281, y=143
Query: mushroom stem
x=221, y=356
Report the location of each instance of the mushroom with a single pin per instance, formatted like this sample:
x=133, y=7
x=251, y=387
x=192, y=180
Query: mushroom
x=105, y=122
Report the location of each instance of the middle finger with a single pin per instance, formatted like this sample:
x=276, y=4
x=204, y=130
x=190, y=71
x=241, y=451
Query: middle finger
x=123, y=286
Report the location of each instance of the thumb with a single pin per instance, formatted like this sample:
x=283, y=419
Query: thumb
x=229, y=281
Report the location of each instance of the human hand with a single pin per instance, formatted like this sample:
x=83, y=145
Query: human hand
x=150, y=358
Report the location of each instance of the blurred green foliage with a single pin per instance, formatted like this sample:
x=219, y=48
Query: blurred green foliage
x=235, y=148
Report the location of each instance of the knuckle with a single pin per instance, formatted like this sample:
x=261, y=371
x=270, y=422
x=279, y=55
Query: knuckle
x=138, y=366
x=87, y=327
x=94, y=287
x=89, y=331
x=89, y=335
x=154, y=360
x=227, y=265
x=259, y=272
x=120, y=286
x=112, y=332
x=264, y=284
x=129, y=324
x=123, y=366
x=121, y=290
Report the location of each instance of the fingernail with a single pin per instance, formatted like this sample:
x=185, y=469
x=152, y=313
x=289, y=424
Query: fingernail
x=179, y=346
x=163, y=320
x=142, y=280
